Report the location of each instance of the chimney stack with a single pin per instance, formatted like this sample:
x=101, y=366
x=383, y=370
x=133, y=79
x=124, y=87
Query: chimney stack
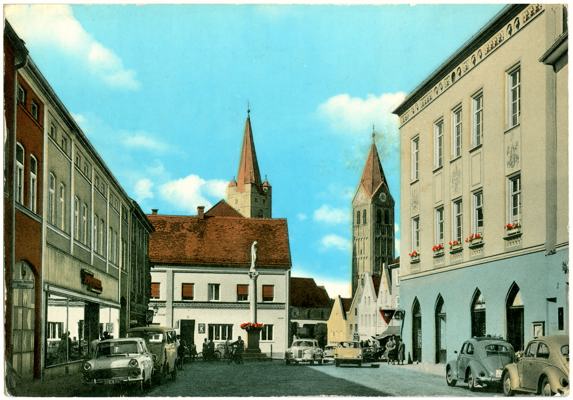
x=154, y=211
x=201, y=212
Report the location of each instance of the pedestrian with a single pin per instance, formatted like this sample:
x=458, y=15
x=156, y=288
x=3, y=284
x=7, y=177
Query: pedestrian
x=401, y=351
x=211, y=349
x=181, y=350
x=390, y=349
x=205, y=350
x=238, y=351
x=193, y=352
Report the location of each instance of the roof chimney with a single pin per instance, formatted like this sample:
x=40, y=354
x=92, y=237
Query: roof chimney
x=154, y=211
x=201, y=212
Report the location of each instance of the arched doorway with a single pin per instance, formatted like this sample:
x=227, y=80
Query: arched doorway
x=440, y=320
x=478, y=314
x=416, y=331
x=23, y=320
x=514, y=315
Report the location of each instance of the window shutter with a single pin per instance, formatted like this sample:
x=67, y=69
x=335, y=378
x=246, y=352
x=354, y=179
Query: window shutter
x=154, y=290
x=187, y=291
x=268, y=292
x=242, y=290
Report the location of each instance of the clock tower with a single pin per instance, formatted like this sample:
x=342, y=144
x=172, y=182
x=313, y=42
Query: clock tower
x=372, y=221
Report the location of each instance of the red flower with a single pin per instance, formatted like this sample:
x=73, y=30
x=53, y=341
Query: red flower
x=438, y=247
x=454, y=242
x=251, y=325
x=414, y=253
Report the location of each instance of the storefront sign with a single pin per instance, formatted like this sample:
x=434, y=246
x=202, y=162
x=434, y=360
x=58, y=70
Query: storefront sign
x=22, y=284
x=93, y=284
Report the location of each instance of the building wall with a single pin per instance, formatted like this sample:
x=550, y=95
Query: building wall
x=337, y=324
x=251, y=202
x=504, y=151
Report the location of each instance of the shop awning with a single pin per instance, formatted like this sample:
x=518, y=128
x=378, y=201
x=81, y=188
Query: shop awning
x=390, y=331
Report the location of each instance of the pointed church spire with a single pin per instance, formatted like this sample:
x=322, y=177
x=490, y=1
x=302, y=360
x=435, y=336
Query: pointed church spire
x=248, y=165
x=372, y=175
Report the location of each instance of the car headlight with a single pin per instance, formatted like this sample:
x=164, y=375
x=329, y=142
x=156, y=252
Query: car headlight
x=133, y=363
x=87, y=366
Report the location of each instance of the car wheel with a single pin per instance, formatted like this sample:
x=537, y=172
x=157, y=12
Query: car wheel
x=450, y=380
x=471, y=381
x=545, y=387
x=506, y=385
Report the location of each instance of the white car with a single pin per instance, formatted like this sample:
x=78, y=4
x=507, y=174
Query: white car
x=328, y=354
x=119, y=361
x=304, y=350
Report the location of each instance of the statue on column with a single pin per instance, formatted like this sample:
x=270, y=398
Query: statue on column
x=253, y=257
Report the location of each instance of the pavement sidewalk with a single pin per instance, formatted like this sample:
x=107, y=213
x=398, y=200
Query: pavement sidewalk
x=427, y=368
x=63, y=386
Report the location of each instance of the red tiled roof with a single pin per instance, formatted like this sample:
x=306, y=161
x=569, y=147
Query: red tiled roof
x=372, y=175
x=376, y=282
x=248, y=165
x=222, y=209
x=224, y=241
x=304, y=292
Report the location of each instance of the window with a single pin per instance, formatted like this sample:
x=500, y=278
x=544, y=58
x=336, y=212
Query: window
x=531, y=349
x=64, y=143
x=477, y=127
x=514, y=96
x=96, y=234
x=35, y=110
x=439, y=225
x=21, y=95
x=542, y=350
x=76, y=218
x=79, y=160
x=154, y=290
x=84, y=223
x=364, y=217
x=457, y=218
x=110, y=242
x=358, y=217
x=62, y=206
x=33, y=183
x=220, y=331
x=115, y=248
x=268, y=292
x=515, y=199
x=213, y=291
x=267, y=332
x=53, y=131
x=87, y=169
x=457, y=132
x=187, y=291
x=414, y=147
x=102, y=235
x=19, y=173
x=438, y=144
x=415, y=233
x=52, y=199
x=242, y=292
x=477, y=217
x=378, y=216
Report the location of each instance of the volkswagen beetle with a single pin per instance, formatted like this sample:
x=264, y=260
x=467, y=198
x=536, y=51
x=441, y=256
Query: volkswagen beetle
x=480, y=362
x=543, y=368
x=119, y=361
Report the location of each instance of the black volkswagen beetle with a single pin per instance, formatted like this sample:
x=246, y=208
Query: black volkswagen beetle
x=480, y=362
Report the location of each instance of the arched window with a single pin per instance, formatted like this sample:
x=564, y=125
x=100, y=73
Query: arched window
x=378, y=216
x=33, y=183
x=62, y=206
x=441, y=350
x=514, y=316
x=364, y=217
x=358, y=217
x=387, y=217
x=19, y=173
x=416, y=331
x=478, y=314
x=52, y=199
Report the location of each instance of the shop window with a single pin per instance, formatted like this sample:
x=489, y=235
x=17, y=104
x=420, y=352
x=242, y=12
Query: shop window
x=268, y=292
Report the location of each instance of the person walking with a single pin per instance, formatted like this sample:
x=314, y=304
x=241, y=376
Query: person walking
x=239, y=349
x=211, y=346
x=401, y=351
x=205, y=350
x=390, y=350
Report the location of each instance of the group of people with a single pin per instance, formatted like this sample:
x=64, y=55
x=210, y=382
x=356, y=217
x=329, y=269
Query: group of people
x=232, y=352
x=395, y=350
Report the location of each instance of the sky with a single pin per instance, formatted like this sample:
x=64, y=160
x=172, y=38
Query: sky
x=162, y=93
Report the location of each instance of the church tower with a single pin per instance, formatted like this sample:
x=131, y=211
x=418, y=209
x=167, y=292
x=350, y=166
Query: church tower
x=373, y=221
x=251, y=197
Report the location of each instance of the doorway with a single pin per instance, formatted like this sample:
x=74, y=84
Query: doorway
x=478, y=315
x=23, y=320
x=416, y=332
x=441, y=352
x=187, y=331
x=514, y=315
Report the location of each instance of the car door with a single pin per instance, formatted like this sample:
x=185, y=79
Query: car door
x=462, y=360
x=539, y=362
x=525, y=365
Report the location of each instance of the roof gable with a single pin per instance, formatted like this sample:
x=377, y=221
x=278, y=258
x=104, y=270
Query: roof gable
x=222, y=209
x=248, y=164
x=373, y=174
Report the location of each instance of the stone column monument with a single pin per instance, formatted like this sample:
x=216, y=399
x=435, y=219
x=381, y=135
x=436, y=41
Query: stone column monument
x=253, y=328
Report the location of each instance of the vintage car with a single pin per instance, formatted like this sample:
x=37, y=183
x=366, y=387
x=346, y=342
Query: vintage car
x=543, y=368
x=162, y=343
x=328, y=353
x=304, y=350
x=119, y=361
x=348, y=353
x=480, y=362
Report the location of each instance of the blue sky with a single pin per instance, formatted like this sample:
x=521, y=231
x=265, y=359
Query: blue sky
x=162, y=92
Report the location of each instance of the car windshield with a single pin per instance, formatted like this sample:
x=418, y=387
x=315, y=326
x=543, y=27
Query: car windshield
x=149, y=337
x=496, y=348
x=565, y=351
x=108, y=349
x=303, y=343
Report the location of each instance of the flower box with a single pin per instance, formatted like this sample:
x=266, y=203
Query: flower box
x=438, y=250
x=414, y=257
x=512, y=230
x=249, y=326
x=455, y=246
x=475, y=240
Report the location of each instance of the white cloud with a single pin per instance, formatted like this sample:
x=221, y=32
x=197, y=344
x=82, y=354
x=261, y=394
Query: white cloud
x=333, y=241
x=301, y=216
x=192, y=191
x=55, y=26
x=143, y=190
x=142, y=140
x=331, y=215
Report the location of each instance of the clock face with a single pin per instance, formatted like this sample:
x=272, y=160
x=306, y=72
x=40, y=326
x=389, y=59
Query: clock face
x=382, y=196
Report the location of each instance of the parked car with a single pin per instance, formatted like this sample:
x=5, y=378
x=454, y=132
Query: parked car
x=480, y=362
x=119, y=361
x=162, y=342
x=543, y=368
x=304, y=350
x=328, y=353
x=348, y=353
